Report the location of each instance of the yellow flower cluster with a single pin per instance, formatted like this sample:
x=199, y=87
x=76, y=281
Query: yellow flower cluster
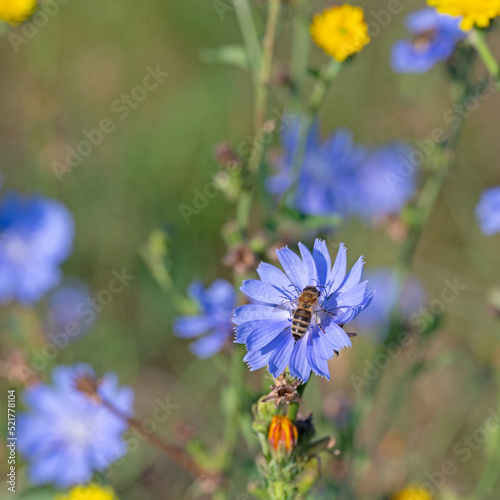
x=474, y=12
x=90, y=492
x=340, y=31
x=16, y=11
x=413, y=493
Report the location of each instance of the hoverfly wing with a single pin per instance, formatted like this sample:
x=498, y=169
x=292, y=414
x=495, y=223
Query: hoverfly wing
x=320, y=312
x=288, y=305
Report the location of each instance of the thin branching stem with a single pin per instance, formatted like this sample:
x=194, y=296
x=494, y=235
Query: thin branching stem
x=177, y=454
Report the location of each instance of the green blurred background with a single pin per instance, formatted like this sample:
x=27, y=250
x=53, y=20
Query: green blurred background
x=65, y=79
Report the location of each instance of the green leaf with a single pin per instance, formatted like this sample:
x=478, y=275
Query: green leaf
x=234, y=55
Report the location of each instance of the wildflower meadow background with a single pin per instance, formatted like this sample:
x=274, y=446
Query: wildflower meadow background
x=250, y=249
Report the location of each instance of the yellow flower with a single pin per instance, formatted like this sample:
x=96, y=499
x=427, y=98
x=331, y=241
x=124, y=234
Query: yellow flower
x=474, y=12
x=16, y=11
x=413, y=493
x=282, y=434
x=340, y=31
x=90, y=492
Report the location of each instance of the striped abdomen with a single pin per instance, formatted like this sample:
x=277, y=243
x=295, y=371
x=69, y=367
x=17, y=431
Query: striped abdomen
x=300, y=322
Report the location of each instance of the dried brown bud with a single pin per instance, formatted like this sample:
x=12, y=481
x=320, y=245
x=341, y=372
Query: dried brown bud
x=269, y=126
x=241, y=258
x=396, y=229
x=16, y=369
x=226, y=155
x=282, y=77
x=283, y=392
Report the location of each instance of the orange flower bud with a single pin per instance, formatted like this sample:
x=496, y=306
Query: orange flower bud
x=282, y=434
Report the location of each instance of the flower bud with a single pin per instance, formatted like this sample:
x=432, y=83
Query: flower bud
x=226, y=155
x=282, y=434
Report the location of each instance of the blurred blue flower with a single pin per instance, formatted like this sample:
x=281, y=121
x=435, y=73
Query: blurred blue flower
x=265, y=327
x=326, y=177
x=381, y=189
x=434, y=38
x=341, y=178
x=65, y=311
x=213, y=324
x=375, y=320
x=66, y=435
x=36, y=235
x=488, y=211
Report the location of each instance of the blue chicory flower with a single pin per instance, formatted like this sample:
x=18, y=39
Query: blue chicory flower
x=65, y=315
x=323, y=184
x=67, y=436
x=382, y=188
x=341, y=178
x=434, y=38
x=409, y=300
x=213, y=324
x=488, y=211
x=36, y=235
x=265, y=327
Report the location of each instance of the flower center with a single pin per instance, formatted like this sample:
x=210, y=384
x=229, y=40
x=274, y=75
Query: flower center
x=77, y=430
x=422, y=41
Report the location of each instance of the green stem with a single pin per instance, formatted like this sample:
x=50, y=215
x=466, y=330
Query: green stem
x=478, y=41
x=322, y=85
x=249, y=34
x=300, y=50
x=293, y=411
x=490, y=477
x=263, y=84
x=293, y=408
x=265, y=73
